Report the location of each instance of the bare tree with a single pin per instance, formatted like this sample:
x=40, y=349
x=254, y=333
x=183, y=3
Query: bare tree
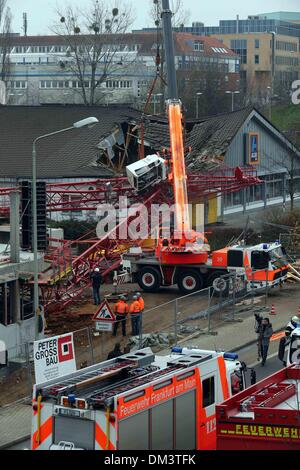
x=94, y=40
x=181, y=16
x=5, y=43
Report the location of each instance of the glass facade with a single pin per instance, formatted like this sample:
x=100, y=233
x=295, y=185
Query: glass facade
x=253, y=25
x=256, y=194
x=239, y=46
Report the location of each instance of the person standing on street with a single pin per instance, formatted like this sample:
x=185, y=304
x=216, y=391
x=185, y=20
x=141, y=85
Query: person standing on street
x=135, y=311
x=141, y=302
x=292, y=325
x=121, y=310
x=96, y=283
x=265, y=332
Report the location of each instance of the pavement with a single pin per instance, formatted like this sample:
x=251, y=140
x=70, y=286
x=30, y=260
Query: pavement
x=234, y=336
x=15, y=424
x=15, y=420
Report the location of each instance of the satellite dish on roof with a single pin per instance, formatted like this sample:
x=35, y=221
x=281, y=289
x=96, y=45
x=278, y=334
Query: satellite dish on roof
x=2, y=93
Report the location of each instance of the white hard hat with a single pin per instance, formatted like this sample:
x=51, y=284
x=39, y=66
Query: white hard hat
x=296, y=319
x=97, y=270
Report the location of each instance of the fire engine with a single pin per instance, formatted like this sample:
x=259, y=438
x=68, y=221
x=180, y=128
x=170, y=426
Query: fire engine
x=265, y=416
x=137, y=401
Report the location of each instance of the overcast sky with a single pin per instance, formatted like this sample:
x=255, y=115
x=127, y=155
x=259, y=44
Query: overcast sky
x=41, y=13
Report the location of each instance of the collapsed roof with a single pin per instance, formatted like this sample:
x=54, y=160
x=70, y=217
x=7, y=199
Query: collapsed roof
x=72, y=154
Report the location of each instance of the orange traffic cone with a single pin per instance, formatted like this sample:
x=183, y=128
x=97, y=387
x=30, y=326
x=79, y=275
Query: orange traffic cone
x=273, y=310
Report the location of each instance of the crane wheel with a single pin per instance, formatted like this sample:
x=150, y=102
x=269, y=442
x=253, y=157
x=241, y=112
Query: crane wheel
x=218, y=283
x=149, y=279
x=189, y=281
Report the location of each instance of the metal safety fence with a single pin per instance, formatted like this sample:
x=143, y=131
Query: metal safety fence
x=160, y=328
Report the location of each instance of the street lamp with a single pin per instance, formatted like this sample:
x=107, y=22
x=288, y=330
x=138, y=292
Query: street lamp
x=270, y=101
x=159, y=95
x=197, y=103
x=232, y=93
x=90, y=121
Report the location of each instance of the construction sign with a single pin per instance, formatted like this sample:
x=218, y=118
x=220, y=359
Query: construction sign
x=54, y=357
x=104, y=313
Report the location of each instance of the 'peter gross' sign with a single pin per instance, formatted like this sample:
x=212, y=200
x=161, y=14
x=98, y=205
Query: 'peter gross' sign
x=54, y=357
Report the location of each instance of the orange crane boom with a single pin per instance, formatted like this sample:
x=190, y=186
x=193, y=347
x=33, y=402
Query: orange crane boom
x=182, y=219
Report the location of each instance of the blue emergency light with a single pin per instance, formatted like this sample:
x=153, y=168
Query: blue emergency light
x=71, y=399
x=231, y=356
x=177, y=350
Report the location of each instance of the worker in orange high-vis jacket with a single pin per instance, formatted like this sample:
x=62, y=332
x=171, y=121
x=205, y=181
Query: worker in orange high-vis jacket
x=121, y=310
x=135, y=312
x=141, y=302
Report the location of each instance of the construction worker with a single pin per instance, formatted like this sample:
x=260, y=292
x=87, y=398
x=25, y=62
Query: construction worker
x=292, y=325
x=141, y=302
x=121, y=310
x=135, y=312
x=142, y=307
x=96, y=283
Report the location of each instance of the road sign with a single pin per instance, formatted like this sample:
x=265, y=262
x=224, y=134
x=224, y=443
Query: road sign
x=104, y=326
x=104, y=313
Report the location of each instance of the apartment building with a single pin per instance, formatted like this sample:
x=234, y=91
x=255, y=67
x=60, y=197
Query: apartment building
x=268, y=47
x=268, y=61
x=42, y=67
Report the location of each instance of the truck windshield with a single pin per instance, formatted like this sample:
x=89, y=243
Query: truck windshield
x=278, y=257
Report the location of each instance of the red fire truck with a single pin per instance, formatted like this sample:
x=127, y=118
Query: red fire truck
x=138, y=401
x=264, y=416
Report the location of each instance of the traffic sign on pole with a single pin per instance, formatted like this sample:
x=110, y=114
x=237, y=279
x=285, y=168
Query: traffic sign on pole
x=104, y=313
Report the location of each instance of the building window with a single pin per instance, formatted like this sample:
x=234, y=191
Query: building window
x=239, y=46
x=18, y=84
x=119, y=84
x=257, y=43
x=208, y=392
x=199, y=46
x=257, y=59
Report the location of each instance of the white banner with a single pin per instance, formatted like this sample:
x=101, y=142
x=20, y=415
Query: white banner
x=54, y=357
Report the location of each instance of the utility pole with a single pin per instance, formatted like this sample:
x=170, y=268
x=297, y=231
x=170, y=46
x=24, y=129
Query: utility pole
x=197, y=104
x=169, y=50
x=15, y=250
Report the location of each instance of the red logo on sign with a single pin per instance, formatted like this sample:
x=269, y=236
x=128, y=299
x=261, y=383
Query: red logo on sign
x=65, y=348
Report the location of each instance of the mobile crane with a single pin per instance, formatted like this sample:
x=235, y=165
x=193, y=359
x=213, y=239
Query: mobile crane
x=184, y=258
x=185, y=245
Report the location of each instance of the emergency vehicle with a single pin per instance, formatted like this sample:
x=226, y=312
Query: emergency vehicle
x=259, y=265
x=137, y=401
x=263, y=417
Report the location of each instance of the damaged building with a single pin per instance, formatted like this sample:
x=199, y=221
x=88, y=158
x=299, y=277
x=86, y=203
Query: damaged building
x=244, y=138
